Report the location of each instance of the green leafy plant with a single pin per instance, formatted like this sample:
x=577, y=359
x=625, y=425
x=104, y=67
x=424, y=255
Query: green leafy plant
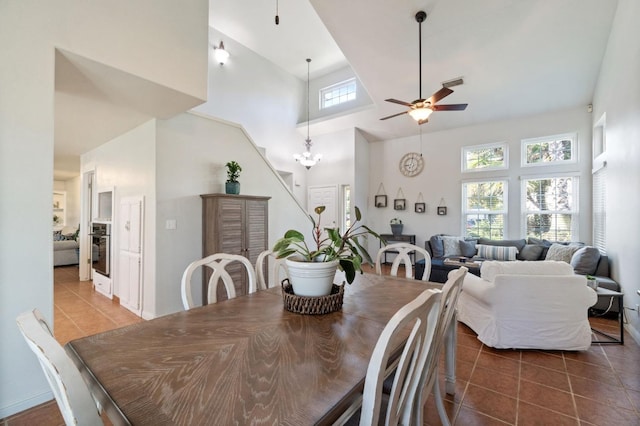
x=395, y=221
x=233, y=171
x=347, y=248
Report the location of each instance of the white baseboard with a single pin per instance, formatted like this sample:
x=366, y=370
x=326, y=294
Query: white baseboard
x=635, y=333
x=26, y=404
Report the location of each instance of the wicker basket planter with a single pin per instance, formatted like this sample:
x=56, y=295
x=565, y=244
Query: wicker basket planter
x=312, y=305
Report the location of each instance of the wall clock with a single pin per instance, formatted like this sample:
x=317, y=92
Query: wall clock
x=411, y=164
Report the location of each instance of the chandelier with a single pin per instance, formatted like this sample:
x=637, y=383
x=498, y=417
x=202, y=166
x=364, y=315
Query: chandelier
x=306, y=158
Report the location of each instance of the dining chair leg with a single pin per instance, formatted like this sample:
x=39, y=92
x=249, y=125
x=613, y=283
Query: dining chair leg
x=450, y=342
x=437, y=395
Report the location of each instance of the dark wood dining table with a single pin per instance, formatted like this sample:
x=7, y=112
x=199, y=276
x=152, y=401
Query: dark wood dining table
x=244, y=360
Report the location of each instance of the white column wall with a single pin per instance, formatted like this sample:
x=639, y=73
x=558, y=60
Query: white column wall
x=618, y=95
x=142, y=40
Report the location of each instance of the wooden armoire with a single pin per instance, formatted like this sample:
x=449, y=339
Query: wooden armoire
x=234, y=224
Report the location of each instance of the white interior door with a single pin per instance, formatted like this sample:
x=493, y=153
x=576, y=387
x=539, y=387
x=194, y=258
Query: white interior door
x=130, y=224
x=324, y=196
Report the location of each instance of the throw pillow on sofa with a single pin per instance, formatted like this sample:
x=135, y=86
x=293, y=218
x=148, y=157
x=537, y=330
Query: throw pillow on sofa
x=585, y=260
x=497, y=252
x=468, y=248
x=437, y=247
x=530, y=252
x=451, y=246
x=561, y=252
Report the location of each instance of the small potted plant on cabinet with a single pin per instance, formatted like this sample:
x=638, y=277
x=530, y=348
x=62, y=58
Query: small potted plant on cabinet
x=232, y=186
x=331, y=251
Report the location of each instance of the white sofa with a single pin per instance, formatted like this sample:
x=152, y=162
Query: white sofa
x=528, y=305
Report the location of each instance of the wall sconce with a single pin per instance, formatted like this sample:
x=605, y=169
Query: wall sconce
x=220, y=54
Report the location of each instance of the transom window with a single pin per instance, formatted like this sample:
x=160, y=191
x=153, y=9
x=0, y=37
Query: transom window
x=484, y=157
x=338, y=93
x=484, y=209
x=551, y=208
x=549, y=150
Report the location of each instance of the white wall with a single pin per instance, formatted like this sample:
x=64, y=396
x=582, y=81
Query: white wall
x=442, y=176
x=192, y=151
x=618, y=95
x=264, y=99
x=144, y=44
x=127, y=165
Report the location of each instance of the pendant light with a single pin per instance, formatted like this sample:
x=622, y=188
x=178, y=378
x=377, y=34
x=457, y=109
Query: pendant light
x=306, y=158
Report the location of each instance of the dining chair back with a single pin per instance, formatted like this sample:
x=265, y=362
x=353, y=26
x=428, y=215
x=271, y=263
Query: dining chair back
x=402, y=257
x=278, y=268
x=69, y=389
x=421, y=315
x=217, y=263
x=428, y=380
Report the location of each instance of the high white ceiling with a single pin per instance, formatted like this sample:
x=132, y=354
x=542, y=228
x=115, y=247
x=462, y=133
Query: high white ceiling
x=517, y=57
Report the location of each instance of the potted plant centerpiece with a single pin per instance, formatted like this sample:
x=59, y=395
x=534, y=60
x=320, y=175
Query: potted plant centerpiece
x=232, y=186
x=396, y=226
x=311, y=271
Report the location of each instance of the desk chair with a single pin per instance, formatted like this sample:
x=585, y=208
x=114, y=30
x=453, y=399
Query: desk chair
x=279, y=270
x=217, y=263
x=403, y=257
x=71, y=392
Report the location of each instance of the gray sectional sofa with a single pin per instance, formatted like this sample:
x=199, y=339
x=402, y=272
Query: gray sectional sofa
x=585, y=260
x=65, y=252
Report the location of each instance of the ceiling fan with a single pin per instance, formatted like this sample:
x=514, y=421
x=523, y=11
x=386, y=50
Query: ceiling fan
x=421, y=109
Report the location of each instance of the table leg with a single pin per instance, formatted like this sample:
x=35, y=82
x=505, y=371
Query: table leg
x=621, y=319
x=450, y=342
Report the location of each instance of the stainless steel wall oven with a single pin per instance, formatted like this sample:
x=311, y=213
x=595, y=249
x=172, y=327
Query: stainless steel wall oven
x=101, y=240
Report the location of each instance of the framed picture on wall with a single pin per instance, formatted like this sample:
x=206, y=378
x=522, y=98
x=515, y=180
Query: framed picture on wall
x=399, y=204
x=442, y=211
x=381, y=201
x=420, y=208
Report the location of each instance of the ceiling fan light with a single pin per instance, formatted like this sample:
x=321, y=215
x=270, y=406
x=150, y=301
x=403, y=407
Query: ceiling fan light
x=420, y=114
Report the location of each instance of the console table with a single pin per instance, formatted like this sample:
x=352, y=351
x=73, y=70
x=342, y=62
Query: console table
x=391, y=239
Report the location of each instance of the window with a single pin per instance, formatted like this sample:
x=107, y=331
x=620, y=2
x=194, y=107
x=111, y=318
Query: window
x=484, y=157
x=484, y=207
x=549, y=150
x=338, y=93
x=600, y=136
x=551, y=208
x=599, y=209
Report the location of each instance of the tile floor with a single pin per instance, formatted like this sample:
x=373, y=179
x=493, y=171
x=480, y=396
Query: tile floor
x=600, y=386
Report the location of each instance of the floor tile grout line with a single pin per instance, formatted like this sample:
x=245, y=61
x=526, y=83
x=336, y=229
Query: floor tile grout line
x=94, y=306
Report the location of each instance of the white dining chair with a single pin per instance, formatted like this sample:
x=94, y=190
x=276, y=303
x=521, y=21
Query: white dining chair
x=74, y=399
x=266, y=262
x=421, y=315
x=217, y=263
x=402, y=257
x=429, y=377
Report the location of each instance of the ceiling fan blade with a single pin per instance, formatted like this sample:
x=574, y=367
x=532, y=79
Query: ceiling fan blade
x=395, y=101
x=451, y=107
x=440, y=94
x=394, y=115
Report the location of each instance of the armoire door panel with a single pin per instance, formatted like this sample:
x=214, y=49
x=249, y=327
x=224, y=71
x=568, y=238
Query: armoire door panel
x=234, y=224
